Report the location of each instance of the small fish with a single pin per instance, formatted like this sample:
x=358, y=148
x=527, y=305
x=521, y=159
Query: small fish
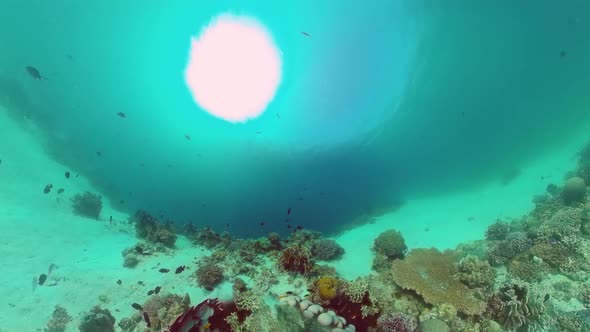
x=157, y=290
x=42, y=279
x=262, y=223
x=151, y=292
x=51, y=268
x=306, y=34
x=60, y=190
x=67, y=175
x=119, y=282
x=164, y=270
x=288, y=211
x=299, y=227
x=147, y=319
x=289, y=226
x=34, y=72
x=137, y=306
x=139, y=250
x=121, y=202
x=47, y=188
x=140, y=283
x=278, y=116
x=547, y=297
x=122, y=115
x=258, y=132
x=562, y=54
x=180, y=269
x=98, y=153
x=187, y=137
x=111, y=219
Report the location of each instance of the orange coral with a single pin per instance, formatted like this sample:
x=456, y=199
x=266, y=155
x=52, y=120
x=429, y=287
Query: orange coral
x=428, y=272
x=327, y=288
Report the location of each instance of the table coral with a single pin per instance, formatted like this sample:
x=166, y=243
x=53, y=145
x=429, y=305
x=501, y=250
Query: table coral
x=428, y=272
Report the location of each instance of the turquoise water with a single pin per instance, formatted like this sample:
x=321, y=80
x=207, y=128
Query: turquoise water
x=386, y=103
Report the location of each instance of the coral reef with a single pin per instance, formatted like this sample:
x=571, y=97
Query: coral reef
x=516, y=309
x=297, y=259
x=87, y=204
x=574, y=191
x=396, y=322
x=147, y=227
x=326, y=249
x=327, y=288
x=428, y=272
x=433, y=325
x=97, y=320
x=497, y=231
x=391, y=244
x=209, y=275
x=59, y=320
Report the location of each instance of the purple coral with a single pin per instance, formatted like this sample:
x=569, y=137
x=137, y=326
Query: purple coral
x=396, y=322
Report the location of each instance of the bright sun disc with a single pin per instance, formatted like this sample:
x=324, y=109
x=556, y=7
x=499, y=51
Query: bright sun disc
x=234, y=68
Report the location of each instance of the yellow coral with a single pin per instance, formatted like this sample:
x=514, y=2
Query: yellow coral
x=428, y=272
x=327, y=287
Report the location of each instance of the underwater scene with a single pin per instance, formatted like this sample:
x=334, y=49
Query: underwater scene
x=291, y=166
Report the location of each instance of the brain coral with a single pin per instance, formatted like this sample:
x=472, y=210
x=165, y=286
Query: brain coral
x=327, y=288
x=428, y=272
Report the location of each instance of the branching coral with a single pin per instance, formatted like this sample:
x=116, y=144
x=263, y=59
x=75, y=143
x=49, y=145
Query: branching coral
x=428, y=272
x=296, y=259
x=87, y=204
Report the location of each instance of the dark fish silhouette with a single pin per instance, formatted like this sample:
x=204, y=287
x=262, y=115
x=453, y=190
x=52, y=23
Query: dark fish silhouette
x=67, y=175
x=164, y=270
x=187, y=137
x=42, y=279
x=306, y=34
x=60, y=190
x=137, y=306
x=288, y=211
x=119, y=282
x=180, y=269
x=121, y=115
x=34, y=72
x=562, y=54
x=140, y=283
x=146, y=317
x=258, y=132
x=47, y=188
x=299, y=227
x=262, y=223
x=151, y=292
x=98, y=153
x=157, y=290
